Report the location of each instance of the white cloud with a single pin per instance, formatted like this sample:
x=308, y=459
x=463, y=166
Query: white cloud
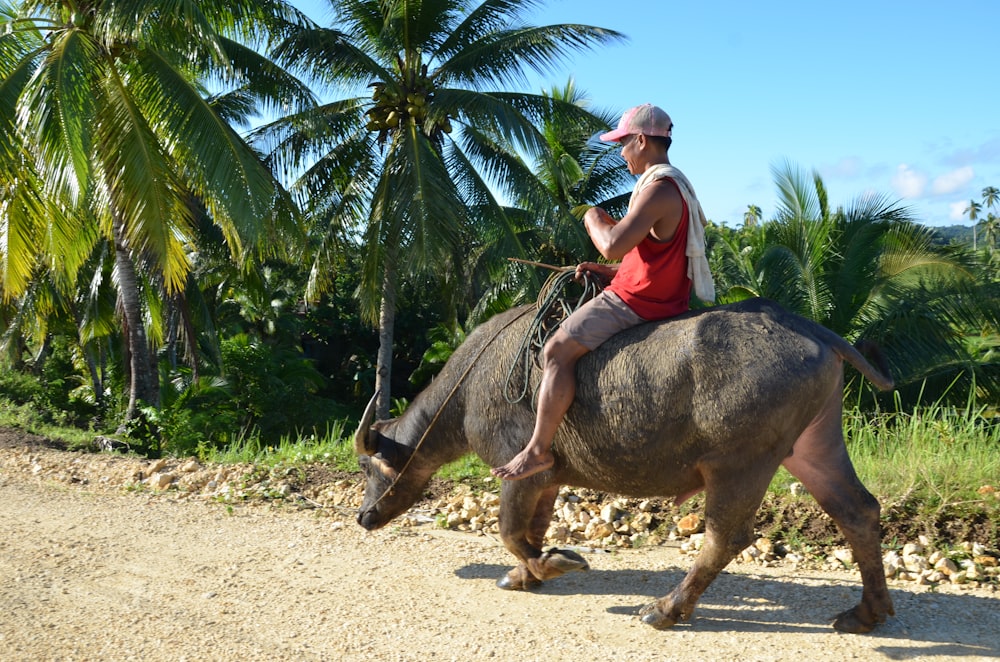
x=956, y=211
x=908, y=183
x=952, y=181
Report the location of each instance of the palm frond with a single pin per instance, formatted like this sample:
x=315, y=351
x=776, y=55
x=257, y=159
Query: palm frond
x=138, y=183
x=229, y=178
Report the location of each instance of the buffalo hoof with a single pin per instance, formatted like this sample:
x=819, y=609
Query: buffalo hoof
x=556, y=562
x=857, y=620
x=518, y=579
x=651, y=615
x=563, y=561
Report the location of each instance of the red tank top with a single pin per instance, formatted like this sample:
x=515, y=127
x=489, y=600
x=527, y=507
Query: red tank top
x=652, y=278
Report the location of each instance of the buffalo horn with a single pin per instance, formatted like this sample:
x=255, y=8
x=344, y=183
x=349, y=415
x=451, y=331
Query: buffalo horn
x=361, y=436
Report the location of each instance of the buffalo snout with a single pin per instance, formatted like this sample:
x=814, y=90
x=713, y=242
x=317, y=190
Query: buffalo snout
x=369, y=520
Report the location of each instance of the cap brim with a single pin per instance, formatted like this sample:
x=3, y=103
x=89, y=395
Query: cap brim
x=614, y=136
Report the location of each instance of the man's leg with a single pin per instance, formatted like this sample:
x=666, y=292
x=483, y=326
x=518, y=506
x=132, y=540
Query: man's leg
x=555, y=395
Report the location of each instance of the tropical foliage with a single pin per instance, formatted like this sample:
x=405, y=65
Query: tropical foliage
x=113, y=153
x=207, y=286
x=411, y=155
x=868, y=270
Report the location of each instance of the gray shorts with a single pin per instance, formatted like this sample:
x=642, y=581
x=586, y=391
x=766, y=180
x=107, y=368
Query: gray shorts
x=599, y=319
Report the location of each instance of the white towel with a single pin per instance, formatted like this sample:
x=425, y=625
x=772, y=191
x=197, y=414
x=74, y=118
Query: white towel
x=698, y=271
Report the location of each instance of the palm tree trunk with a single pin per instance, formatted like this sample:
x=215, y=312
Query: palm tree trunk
x=95, y=377
x=144, y=384
x=386, y=325
x=190, y=335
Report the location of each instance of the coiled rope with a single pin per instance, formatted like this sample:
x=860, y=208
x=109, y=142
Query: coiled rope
x=552, y=308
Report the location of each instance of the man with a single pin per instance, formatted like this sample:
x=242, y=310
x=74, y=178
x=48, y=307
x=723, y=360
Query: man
x=661, y=245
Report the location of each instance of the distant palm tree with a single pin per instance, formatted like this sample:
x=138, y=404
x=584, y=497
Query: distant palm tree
x=751, y=217
x=400, y=168
x=991, y=196
x=107, y=135
x=972, y=211
x=991, y=230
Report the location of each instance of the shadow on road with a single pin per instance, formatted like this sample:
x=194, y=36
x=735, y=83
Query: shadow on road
x=951, y=624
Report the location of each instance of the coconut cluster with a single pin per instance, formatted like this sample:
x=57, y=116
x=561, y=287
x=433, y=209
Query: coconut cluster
x=393, y=106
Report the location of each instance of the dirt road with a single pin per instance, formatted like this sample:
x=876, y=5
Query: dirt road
x=90, y=575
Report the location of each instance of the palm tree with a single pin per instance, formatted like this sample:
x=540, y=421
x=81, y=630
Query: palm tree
x=991, y=196
x=107, y=135
x=972, y=211
x=991, y=230
x=554, y=186
x=399, y=167
x=751, y=217
x=867, y=270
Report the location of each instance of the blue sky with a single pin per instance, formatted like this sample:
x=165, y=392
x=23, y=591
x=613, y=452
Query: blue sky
x=892, y=97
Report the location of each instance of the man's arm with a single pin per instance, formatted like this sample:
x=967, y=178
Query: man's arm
x=657, y=209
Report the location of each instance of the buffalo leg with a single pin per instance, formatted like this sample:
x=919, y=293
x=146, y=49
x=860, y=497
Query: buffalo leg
x=525, y=514
x=729, y=520
x=819, y=460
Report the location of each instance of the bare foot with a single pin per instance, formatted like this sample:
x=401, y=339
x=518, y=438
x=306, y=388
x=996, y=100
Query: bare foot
x=524, y=464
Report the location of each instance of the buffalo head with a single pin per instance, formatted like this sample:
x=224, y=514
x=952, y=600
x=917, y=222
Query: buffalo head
x=381, y=458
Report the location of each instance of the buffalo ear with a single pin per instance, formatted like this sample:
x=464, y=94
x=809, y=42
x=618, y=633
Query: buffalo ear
x=384, y=468
x=363, y=442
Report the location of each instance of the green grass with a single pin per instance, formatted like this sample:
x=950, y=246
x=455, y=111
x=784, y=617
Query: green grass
x=26, y=417
x=938, y=456
x=465, y=468
x=335, y=446
x=935, y=456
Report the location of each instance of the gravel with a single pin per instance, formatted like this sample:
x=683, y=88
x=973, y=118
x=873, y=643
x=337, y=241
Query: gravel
x=91, y=570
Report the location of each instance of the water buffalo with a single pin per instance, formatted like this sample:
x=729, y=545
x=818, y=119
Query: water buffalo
x=713, y=400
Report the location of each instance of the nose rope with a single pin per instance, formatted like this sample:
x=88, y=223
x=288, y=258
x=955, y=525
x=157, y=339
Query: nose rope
x=461, y=379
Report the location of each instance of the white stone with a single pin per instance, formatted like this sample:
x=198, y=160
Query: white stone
x=844, y=555
x=946, y=566
x=160, y=481
x=915, y=563
x=610, y=512
x=935, y=577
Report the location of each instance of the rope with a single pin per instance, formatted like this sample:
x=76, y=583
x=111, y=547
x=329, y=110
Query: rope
x=389, y=490
x=543, y=325
x=552, y=308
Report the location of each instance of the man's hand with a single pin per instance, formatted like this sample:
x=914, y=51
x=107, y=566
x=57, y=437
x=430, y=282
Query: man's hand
x=603, y=272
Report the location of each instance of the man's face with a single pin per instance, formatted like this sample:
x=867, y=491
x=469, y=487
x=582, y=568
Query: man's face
x=629, y=145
